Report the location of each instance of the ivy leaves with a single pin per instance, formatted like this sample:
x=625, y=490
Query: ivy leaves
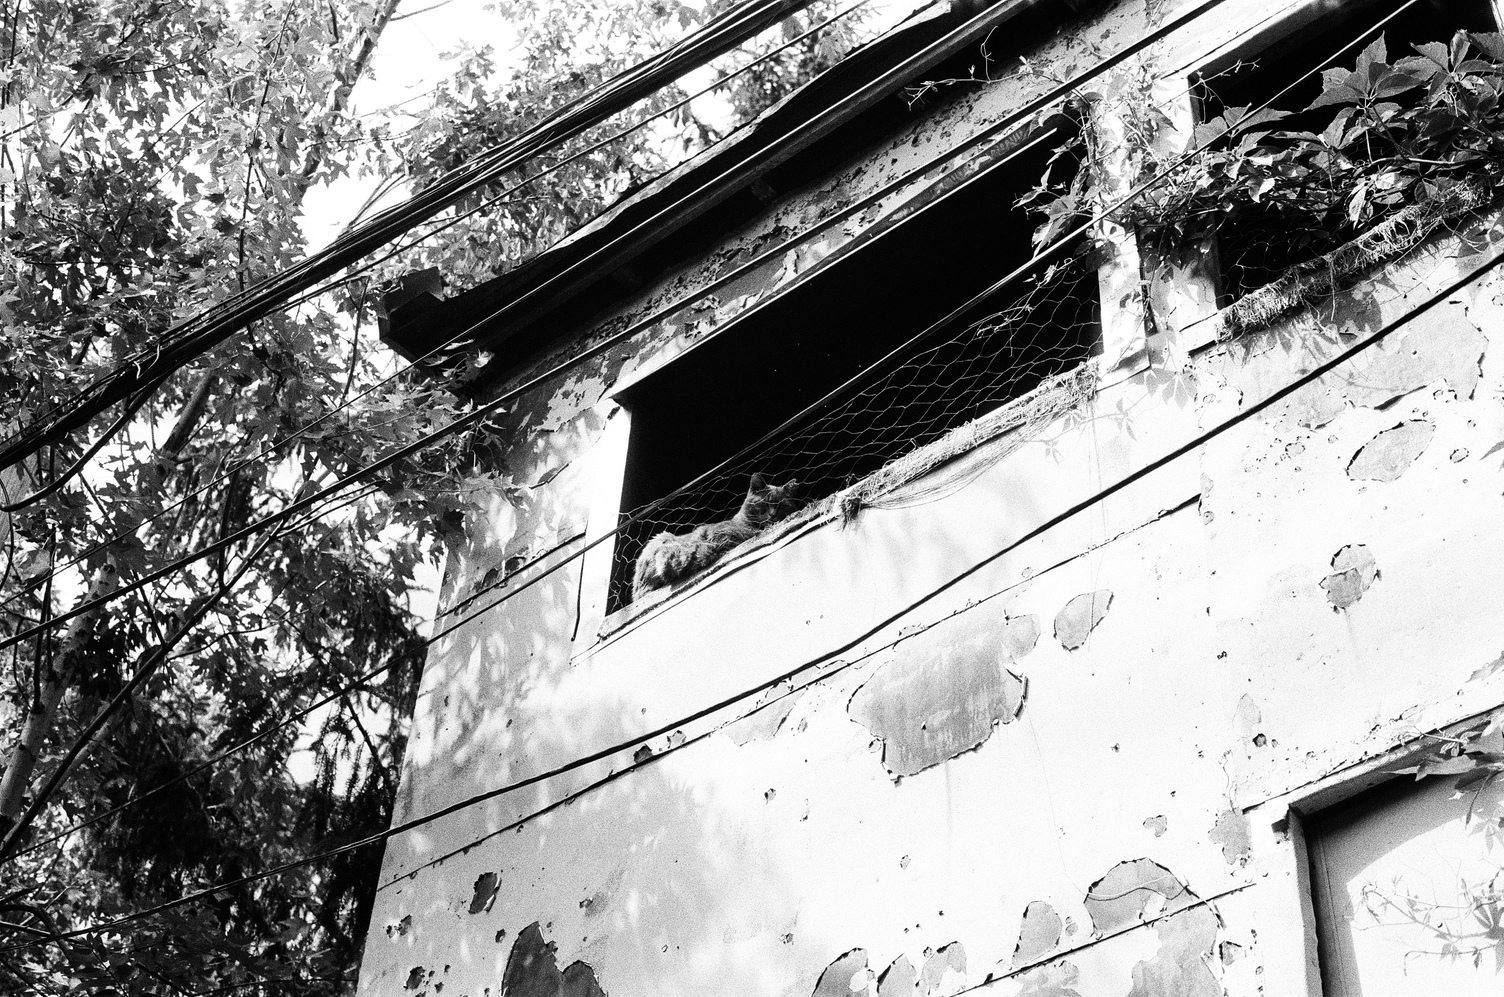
x=1372, y=80
x=1400, y=132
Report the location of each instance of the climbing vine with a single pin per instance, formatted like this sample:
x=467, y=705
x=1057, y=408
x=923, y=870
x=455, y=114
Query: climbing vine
x=1401, y=133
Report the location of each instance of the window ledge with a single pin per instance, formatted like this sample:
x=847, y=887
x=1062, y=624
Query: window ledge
x=1006, y=425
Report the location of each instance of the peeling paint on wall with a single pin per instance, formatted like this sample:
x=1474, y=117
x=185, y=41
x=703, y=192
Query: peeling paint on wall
x=1441, y=344
x=763, y=723
x=1133, y=891
x=1183, y=964
x=533, y=970
x=838, y=977
x=937, y=699
x=1038, y=933
x=944, y=972
x=898, y=980
x=1232, y=832
x=1058, y=979
x=1390, y=453
x=1019, y=634
x=1080, y=617
x=484, y=894
x=1353, y=571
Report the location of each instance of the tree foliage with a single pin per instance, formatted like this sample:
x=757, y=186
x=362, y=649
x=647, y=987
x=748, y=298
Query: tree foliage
x=157, y=157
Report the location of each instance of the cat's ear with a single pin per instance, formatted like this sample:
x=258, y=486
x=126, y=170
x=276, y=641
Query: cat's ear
x=757, y=482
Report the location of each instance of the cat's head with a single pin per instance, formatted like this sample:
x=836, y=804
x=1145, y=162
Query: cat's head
x=765, y=502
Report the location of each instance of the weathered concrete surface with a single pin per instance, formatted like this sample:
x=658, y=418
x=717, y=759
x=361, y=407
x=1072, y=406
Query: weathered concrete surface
x=1274, y=618
x=1390, y=454
x=945, y=690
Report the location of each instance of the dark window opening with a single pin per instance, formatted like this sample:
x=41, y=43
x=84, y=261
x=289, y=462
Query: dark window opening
x=724, y=395
x=1263, y=241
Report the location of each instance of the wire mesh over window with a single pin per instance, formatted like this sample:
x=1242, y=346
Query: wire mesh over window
x=1037, y=328
x=1259, y=242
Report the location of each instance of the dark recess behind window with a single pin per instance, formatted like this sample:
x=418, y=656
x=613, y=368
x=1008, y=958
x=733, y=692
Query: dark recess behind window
x=595, y=293
x=1259, y=246
x=722, y=396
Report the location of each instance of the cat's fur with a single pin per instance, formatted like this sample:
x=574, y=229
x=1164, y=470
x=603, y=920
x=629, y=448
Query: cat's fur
x=668, y=557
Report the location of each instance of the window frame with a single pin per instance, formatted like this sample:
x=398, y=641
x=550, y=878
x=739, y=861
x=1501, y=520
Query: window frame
x=1122, y=353
x=1284, y=898
x=1245, y=29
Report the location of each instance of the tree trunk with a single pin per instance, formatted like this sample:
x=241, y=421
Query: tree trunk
x=40, y=713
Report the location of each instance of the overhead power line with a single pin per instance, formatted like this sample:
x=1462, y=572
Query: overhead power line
x=1190, y=446
x=350, y=401
x=1259, y=407
x=497, y=404
x=902, y=349
x=182, y=343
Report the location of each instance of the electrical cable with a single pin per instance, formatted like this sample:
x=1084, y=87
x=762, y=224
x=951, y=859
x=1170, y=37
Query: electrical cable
x=1131, y=478
x=455, y=426
x=183, y=342
x=1190, y=446
x=131, y=407
x=367, y=391
x=525, y=181
x=471, y=598
x=475, y=416
x=839, y=389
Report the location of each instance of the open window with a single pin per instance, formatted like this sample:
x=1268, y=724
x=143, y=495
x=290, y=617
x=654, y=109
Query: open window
x=1262, y=241
x=736, y=399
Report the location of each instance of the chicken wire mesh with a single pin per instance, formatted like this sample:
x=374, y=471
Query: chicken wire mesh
x=1051, y=324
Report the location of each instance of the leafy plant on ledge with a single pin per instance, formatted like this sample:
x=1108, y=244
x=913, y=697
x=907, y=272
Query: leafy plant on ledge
x=1410, y=145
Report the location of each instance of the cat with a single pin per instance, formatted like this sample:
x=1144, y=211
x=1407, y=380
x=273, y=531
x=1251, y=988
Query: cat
x=669, y=557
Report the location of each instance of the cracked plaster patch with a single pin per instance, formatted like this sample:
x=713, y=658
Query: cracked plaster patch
x=1039, y=934
x=944, y=972
x=1232, y=832
x=533, y=970
x=1134, y=891
x=945, y=689
x=1390, y=453
x=1058, y=979
x=838, y=979
x=1353, y=571
x=1080, y=617
x=898, y=980
x=1182, y=966
x=484, y=895
x=763, y=723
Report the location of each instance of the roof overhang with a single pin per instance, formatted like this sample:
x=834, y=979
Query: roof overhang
x=595, y=268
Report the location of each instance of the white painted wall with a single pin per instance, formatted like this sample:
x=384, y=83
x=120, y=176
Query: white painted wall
x=758, y=845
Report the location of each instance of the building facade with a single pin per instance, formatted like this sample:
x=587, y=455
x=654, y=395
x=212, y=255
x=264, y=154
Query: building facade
x=1117, y=621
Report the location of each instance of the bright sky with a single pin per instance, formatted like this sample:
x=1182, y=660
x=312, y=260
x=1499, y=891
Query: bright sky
x=408, y=63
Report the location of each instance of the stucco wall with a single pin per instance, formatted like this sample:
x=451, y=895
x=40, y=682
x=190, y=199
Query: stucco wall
x=1050, y=772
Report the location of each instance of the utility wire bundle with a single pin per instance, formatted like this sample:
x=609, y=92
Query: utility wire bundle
x=888, y=366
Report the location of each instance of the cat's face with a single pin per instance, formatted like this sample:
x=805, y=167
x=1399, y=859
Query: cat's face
x=765, y=502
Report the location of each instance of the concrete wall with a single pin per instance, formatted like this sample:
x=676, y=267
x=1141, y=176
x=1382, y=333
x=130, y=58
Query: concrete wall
x=885, y=758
